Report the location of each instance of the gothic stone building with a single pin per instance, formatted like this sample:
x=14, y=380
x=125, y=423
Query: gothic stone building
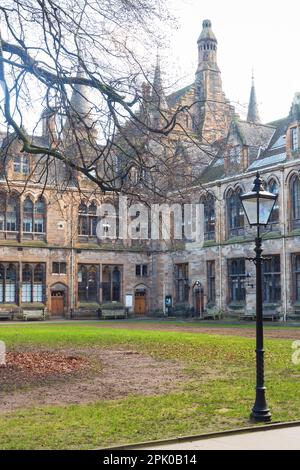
x=50, y=255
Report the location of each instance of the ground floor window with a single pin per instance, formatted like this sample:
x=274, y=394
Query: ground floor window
x=271, y=279
x=182, y=282
x=296, y=277
x=8, y=283
x=33, y=282
x=88, y=282
x=236, y=280
x=111, y=285
x=211, y=282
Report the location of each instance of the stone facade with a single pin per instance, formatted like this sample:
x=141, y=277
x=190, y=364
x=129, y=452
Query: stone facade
x=50, y=255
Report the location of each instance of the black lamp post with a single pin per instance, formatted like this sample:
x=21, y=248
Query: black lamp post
x=258, y=205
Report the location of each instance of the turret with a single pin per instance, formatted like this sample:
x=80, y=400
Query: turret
x=207, y=48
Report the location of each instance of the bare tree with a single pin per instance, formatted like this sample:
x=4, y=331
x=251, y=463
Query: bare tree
x=87, y=60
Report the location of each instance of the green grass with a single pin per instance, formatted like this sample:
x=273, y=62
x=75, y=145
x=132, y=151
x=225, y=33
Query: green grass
x=218, y=395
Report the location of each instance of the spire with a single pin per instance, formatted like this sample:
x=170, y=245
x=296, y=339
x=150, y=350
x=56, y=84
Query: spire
x=158, y=96
x=158, y=103
x=49, y=130
x=253, y=115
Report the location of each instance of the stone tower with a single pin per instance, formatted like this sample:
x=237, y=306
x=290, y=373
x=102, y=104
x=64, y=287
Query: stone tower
x=213, y=110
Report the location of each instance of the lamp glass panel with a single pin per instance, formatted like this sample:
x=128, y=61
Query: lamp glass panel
x=250, y=208
x=265, y=209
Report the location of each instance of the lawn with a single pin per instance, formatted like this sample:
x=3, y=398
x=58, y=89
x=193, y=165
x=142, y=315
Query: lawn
x=215, y=390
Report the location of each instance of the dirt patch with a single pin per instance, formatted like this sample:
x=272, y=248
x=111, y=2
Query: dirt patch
x=120, y=373
x=277, y=333
x=43, y=363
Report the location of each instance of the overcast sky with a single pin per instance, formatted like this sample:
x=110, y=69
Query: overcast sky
x=262, y=34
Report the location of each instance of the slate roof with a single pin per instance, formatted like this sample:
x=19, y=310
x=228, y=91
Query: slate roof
x=253, y=134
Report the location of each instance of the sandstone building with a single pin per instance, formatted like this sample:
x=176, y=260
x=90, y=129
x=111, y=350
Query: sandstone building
x=50, y=255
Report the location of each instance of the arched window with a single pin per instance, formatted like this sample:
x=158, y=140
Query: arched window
x=274, y=219
x=87, y=220
x=82, y=220
x=235, y=214
x=295, y=199
x=9, y=212
x=209, y=216
x=12, y=213
x=88, y=276
x=8, y=283
x=39, y=216
x=33, y=282
x=28, y=215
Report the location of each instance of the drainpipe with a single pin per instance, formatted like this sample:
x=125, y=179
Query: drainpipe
x=72, y=262
x=284, y=253
x=220, y=224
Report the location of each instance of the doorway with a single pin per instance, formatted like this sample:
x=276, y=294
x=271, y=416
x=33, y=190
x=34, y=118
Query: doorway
x=57, y=303
x=140, y=302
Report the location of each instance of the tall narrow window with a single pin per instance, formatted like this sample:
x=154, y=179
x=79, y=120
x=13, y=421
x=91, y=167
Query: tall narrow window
x=92, y=219
x=236, y=279
x=111, y=285
x=82, y=220
x=295, y=199
x=209, y=216
x=182, y=282
x=28, y=215
x=211, y=282
x=12, y=213
x=2, y=210
x=116, y=286
x=39, y=216
x=271, y=280
x=38, y=283
x=296, y=277
x=294, y=138
x=235, y=214
x=274, y=218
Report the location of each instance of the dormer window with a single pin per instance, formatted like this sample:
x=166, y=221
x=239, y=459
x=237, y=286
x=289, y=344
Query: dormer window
x=294, y=138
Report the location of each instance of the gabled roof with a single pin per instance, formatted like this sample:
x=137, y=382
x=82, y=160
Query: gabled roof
x=175, y=97
x=253, y=134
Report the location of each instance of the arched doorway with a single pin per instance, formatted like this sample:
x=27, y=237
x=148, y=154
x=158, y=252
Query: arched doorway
x=198, y=294
x=140, y=300
x=58, y=299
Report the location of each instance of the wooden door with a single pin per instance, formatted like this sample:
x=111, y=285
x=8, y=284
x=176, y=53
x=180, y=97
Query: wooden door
x=57, y=303
x=140, y=303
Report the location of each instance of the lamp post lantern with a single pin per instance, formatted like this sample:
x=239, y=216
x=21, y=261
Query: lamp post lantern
x=258, y=205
